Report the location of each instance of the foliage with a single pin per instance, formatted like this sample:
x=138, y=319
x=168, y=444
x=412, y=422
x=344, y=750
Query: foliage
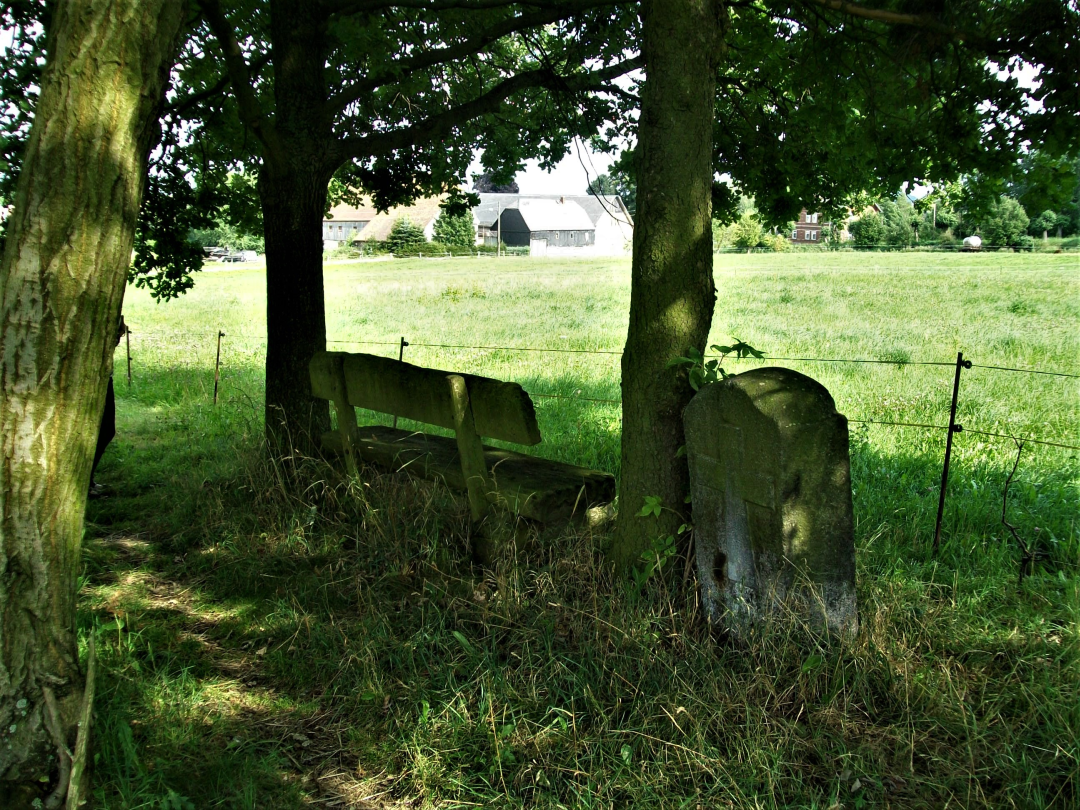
x=703, y=371
x=487, y=183
x=924, y=101
x=404, y=235
x=868, y=230
x=617, y=181
x=747, y=232
x=1044, y=222
x=1045, y=181
x=776, y=242
x=1005, y=223
x=456, y=229
x=226, y=236
x=21, y=61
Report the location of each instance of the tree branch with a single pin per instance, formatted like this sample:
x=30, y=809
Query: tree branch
x=346, y=7
x=440, y=124
x=240, y=78
x=182, y=105
x=926, y=21
x=467, y=47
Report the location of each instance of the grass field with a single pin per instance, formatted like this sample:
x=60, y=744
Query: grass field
x=272, y=645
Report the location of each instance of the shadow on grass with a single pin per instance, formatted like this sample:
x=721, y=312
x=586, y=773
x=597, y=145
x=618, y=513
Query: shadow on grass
x=292, y=637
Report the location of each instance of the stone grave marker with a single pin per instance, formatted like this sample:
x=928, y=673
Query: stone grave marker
x=770, y=480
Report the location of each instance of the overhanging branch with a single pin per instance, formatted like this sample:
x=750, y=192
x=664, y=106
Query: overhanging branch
x=468, y=47
x=240, y=77
x=925, y=21
x=182, y=105
x=492, y=101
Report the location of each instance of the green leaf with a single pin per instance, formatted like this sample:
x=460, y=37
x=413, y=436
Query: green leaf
x=464, y=642
x=627, y=753
x=812, y=663
x=653, y=505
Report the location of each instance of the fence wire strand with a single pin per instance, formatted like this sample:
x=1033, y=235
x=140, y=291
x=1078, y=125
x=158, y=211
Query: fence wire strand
x=156, y=338
x=1027, y=370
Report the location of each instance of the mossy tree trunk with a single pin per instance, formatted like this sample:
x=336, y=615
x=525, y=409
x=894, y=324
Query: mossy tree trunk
x=299, y=161
x=672, y=292
x=61, y=288
x=293, y=202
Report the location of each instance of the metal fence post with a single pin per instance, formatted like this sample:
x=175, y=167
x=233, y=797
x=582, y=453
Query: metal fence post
x=401, y=357
x=217, y=364
x=961, y=363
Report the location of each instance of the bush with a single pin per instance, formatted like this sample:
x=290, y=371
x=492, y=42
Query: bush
x=457, y=230
x=433, y=249
x=778, y=243
x=405, y=235
x=1005, y=223
x=868, y=231
x=228, y=237
x=747, y=232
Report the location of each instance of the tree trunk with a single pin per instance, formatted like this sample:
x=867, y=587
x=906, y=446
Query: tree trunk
x=672, y=292
x=293, y=188
x=295, y=310
x=61, y=287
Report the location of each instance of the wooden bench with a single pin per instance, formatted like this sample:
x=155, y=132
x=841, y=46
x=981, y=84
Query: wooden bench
x=473, y=407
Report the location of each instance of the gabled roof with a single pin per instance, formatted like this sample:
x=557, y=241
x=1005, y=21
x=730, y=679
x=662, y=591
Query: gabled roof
x=595, y=208
x=553, y=215
x=421, y=213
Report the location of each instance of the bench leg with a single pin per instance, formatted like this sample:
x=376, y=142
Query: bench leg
x=470, y=449
x=347, y=429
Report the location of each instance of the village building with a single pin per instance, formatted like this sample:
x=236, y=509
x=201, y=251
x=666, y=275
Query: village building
x=807, y=230
x=547, y=224
x=556, y=224
x=363, y=223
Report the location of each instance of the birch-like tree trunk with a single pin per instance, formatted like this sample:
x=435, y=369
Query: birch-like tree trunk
x=672, y=292
x=61, y=288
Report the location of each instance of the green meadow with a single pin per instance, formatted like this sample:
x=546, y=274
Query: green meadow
x=279, y=635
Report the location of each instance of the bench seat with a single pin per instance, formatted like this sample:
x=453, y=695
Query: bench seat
x=535, y=488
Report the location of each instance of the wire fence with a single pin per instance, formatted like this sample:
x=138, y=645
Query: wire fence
x=171, y=339
x=960, y=365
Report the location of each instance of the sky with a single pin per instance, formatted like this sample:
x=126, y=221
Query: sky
x=571, y=176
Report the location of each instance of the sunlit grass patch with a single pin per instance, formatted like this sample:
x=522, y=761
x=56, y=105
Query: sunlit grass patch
x=284, y=637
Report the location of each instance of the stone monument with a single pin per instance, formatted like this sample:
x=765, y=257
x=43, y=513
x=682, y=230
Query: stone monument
x=770, y=480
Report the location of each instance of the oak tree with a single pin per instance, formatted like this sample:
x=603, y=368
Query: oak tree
x=62, y=275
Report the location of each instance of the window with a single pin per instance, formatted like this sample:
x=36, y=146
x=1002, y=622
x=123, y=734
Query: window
x=794, y=234
x=813, y=236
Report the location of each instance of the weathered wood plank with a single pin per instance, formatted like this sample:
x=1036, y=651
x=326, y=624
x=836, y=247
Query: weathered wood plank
x=501, y=410
x=535, y=488
x=470, y=450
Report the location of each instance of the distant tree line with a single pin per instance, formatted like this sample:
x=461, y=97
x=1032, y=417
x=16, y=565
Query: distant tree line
x=1042, y=199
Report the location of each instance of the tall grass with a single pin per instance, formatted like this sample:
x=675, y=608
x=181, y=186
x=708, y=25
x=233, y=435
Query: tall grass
x=280, y=636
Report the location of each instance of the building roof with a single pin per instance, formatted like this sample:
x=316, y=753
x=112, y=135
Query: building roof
x=594, y=207
x=421, y=213
x=553, y=215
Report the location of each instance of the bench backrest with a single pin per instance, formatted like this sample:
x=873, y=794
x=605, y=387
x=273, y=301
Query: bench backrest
x=501, y=410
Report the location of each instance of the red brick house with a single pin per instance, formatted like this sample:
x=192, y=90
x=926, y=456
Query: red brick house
x=807, y=229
